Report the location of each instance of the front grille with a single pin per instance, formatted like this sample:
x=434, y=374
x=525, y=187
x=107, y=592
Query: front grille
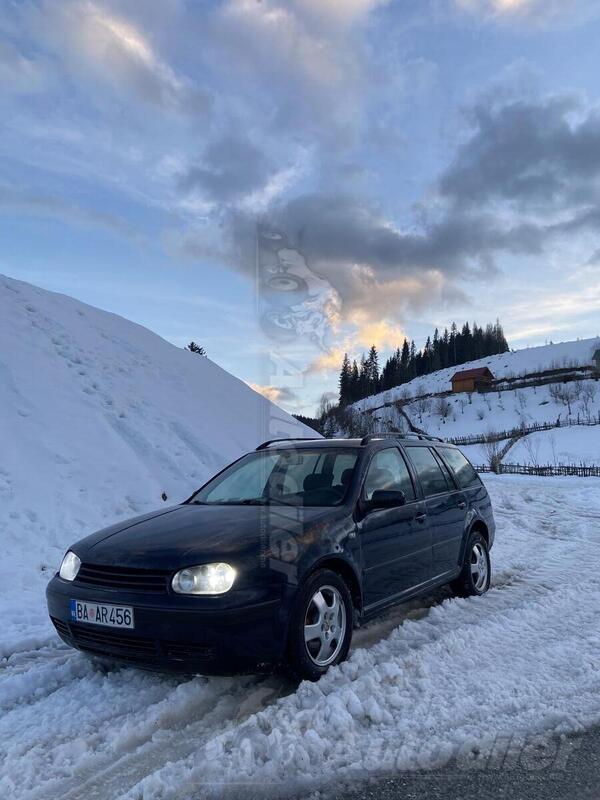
x=120, y=644
x=61, y=627
x=129, y=578
x=180, y=651
x=130, y=647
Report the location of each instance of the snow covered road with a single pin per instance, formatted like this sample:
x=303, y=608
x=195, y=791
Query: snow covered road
x=430, y=678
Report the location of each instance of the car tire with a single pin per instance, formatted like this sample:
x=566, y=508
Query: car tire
x=320, y=629
x=474, y=579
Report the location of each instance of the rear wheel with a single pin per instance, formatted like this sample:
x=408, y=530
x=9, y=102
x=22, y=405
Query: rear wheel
x=320, y=627
x=475, y=577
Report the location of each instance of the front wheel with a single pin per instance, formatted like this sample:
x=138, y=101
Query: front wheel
x=320, y=626
x=475, y=577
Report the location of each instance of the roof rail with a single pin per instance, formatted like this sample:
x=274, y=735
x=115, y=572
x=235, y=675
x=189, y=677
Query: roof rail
x=410, y=435
x=371, y=436
x=264, y=445
x=426, y=436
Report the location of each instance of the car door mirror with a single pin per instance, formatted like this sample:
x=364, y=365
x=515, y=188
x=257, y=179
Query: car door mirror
x=386, y=498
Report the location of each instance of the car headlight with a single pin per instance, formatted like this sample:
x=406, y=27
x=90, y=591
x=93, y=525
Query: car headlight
x=204, y=579
x=70, y=566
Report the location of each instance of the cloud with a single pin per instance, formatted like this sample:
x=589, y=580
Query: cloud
x=276, y=394
x=20, y=74
x=537, y=155
x=22, y=201
x=526, y=176
x=539, y=13
x=230, y=168
x=112, y=49
x=301, y=66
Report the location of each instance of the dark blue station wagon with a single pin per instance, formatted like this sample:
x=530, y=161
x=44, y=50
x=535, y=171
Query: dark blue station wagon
x=276, y=559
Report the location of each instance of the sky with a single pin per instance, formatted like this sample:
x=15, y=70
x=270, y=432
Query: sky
x=286, y=181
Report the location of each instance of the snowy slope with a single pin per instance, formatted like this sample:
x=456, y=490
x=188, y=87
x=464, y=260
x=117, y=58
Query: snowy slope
x=518, y=362
x=464, y=414
x=98, y=417
x=435, y=678
x=579, y=446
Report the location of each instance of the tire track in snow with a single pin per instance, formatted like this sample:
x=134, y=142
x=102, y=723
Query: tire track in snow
x=130, y=734
x=469, y=669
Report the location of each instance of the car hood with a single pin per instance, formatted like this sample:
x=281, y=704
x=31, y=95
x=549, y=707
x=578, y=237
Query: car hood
x=186, y=534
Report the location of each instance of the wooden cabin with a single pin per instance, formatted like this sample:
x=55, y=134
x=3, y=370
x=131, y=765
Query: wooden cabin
x=471, y=380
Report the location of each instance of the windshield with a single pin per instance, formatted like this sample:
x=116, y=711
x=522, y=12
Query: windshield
x=286, y=477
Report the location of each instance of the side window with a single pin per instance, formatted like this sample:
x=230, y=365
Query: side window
x=388, y=470
x=429, y=471
x=464, y=471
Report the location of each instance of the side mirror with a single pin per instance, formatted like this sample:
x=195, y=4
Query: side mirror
x=386, y=498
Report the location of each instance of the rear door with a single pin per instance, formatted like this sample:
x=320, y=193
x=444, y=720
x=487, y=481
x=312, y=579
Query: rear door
x=395, y=542
x=446, y=507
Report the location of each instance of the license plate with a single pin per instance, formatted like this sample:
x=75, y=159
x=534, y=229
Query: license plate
x=102, y=614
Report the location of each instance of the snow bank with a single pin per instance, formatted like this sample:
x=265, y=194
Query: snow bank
x=99, y=417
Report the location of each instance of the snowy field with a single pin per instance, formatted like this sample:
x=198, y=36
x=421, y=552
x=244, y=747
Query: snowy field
x=576, y=445
x=432, y=677
x=465, y=415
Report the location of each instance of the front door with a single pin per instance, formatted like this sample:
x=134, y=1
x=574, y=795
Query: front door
x=395, y=542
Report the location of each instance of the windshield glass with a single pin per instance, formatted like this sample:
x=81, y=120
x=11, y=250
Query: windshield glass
x=288, y=477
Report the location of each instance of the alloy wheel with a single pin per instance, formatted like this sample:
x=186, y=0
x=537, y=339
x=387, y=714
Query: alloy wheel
x=325, y=625
x=479, y=567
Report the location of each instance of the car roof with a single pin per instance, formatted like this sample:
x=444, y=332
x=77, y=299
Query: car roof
x=365, y=441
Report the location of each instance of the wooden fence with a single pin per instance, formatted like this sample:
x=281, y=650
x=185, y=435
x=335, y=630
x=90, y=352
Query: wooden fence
x=547, y=470
x=522, y=430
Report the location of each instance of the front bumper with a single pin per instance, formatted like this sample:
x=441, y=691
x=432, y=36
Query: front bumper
x=177, y=634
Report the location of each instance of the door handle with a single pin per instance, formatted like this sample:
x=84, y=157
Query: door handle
x=462, y=504
x=421, y=516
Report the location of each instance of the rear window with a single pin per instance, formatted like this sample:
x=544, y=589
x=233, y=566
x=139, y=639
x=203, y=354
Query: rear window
x=431, y=476
x=463, y=470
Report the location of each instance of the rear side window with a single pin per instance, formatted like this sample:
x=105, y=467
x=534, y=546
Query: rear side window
x=388, y=470
x=431, y=476
x=465, y=473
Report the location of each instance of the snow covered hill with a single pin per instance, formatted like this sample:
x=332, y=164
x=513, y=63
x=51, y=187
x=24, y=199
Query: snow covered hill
x=99, y=416
x=515, y=363
x=467, y=414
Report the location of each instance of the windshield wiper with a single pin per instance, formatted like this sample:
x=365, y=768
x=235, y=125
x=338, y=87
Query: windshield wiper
x=246, y=501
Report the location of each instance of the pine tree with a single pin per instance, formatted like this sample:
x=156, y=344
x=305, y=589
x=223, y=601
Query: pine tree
x=196, y=348
x=345, y=380
x=436, y=358
x=404, y=362
x=412, y=361
x=465, y=344
x=363, y=383
x=354, y=383
x=372, y=367
x=445, y=349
